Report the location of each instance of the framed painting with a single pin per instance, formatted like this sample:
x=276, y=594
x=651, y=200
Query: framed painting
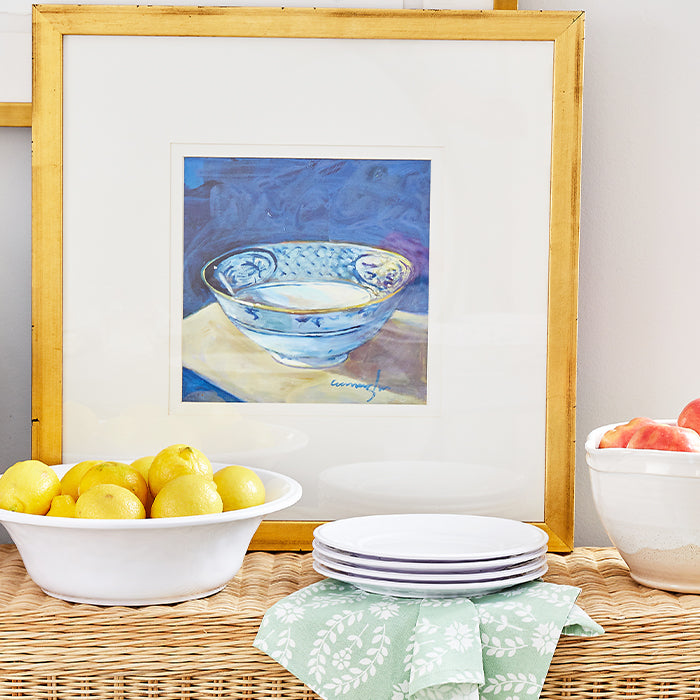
x=339, y=244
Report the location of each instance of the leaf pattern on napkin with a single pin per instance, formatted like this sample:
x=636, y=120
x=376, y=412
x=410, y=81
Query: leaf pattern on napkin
x=346, y=643
x=512, y=682
x=366, y=666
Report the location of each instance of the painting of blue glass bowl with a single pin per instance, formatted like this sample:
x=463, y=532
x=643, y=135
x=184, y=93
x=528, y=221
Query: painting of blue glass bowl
x=308, y=303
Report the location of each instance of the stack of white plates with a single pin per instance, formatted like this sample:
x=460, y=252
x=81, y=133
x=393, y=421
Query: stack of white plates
x=430, y=555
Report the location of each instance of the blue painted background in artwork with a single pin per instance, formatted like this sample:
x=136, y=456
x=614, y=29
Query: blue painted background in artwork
x=233, y=202
x=196, y=388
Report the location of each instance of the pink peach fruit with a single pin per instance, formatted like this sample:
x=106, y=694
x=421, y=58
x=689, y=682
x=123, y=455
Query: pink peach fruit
x=621, y=434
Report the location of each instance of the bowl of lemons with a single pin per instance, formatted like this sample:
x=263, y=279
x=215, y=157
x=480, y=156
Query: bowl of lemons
x=162, y=528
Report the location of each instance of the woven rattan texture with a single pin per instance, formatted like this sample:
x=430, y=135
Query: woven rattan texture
x=203, y=649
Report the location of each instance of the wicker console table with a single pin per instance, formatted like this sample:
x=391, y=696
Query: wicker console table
x=203, y=649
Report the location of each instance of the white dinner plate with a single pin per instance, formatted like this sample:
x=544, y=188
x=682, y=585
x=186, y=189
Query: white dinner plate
x=429, y=576
x=431, y=536
x=447, y=567
x=405, y=589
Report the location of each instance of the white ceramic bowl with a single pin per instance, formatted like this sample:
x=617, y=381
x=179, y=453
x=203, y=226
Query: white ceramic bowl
x=141, y=562
x=649, y=504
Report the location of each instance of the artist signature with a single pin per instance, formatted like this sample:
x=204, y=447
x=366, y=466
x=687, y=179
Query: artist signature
x=373, y=389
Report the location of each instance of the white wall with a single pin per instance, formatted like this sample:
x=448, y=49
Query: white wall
x=15, y=293
x=639, y=285
x=15, y=296
x=638, y=333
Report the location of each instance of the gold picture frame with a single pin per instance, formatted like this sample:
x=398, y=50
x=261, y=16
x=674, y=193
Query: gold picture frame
x=16, y=114
x=564, y=30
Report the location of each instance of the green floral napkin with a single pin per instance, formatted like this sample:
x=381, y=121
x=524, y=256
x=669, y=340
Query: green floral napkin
x=344, y=642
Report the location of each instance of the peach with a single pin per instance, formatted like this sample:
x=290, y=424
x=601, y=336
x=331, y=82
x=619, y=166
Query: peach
x=661, y=436
x=689, y=417
x=621, y=434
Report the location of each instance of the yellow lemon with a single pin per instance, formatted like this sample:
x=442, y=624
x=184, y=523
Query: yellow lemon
x=142, y=465
x=177, y=460
x=191, y=494
x=29, y=487
x=106, y=501
x=116, y=473
x=71, y=479
x=239, y=487
x=62, y=506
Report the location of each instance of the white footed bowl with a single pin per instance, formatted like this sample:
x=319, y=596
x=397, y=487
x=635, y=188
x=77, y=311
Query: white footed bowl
x=649, y=504
x=141, y=562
